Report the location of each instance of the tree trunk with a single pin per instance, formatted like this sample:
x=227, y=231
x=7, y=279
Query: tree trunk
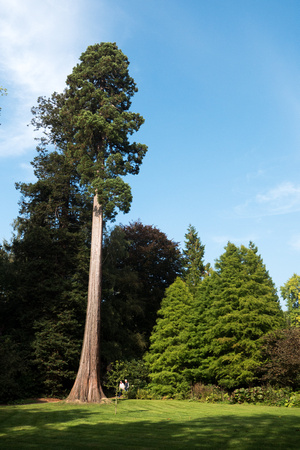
x=87, y=387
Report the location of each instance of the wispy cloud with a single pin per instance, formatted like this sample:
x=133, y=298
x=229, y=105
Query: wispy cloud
x=35, y=43
x=40, y=42
x=282, y=199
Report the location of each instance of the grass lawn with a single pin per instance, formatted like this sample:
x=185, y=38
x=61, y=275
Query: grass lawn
x=148, y=424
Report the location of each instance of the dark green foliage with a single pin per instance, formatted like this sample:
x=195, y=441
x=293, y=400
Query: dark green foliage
x=168, y=356
x=97, y=103
x=48, y=266
x=57, y=346
x=140, y=262
x=238, y=304
x=281, y=358
x=16, y=378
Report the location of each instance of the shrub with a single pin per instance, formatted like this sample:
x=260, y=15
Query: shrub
x=208, y=393
x=247, y=395
x=267, y=395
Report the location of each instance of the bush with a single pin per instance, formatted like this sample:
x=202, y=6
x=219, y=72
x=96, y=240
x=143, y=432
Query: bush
x=248, y=395
x=208, y=393
x=266, y=395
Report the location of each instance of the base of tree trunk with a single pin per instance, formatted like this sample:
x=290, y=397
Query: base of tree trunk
x=86, y=393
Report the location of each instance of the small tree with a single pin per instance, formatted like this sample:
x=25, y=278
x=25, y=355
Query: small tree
x=290, y=292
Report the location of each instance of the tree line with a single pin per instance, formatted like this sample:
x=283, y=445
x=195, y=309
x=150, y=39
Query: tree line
x=189, y=322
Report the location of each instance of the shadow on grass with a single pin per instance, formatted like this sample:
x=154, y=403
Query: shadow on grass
x=80, y=428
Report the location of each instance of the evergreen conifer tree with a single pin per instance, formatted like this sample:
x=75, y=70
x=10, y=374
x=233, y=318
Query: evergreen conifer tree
x=239, y=305
x=168, y=356
x=49, y=263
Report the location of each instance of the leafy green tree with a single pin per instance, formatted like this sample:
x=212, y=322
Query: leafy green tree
x=139, y=263
x=239, y=305
x=168, y=356
x=290, y=292
x=97, y=103
x=194, y=266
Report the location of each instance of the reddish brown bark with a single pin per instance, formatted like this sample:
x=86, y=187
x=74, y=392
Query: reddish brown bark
x=87, y=387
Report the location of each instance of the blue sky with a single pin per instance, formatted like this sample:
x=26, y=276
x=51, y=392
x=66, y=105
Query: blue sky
x=219, y=88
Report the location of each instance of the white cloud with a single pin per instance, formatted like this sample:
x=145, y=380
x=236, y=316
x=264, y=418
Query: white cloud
x=282, y=199
x=40, y=43
x=35, y=42
x=35, y=55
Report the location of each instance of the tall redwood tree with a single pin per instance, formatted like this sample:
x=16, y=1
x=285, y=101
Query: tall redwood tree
x=97, y=103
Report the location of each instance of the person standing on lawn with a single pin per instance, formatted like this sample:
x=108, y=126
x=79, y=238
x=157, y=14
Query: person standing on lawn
x=121, y=388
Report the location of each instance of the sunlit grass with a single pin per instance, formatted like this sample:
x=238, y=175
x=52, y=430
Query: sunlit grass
x=149, y=424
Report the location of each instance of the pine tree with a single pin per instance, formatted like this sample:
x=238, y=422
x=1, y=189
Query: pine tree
x=168, y=356
x=239, y=306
